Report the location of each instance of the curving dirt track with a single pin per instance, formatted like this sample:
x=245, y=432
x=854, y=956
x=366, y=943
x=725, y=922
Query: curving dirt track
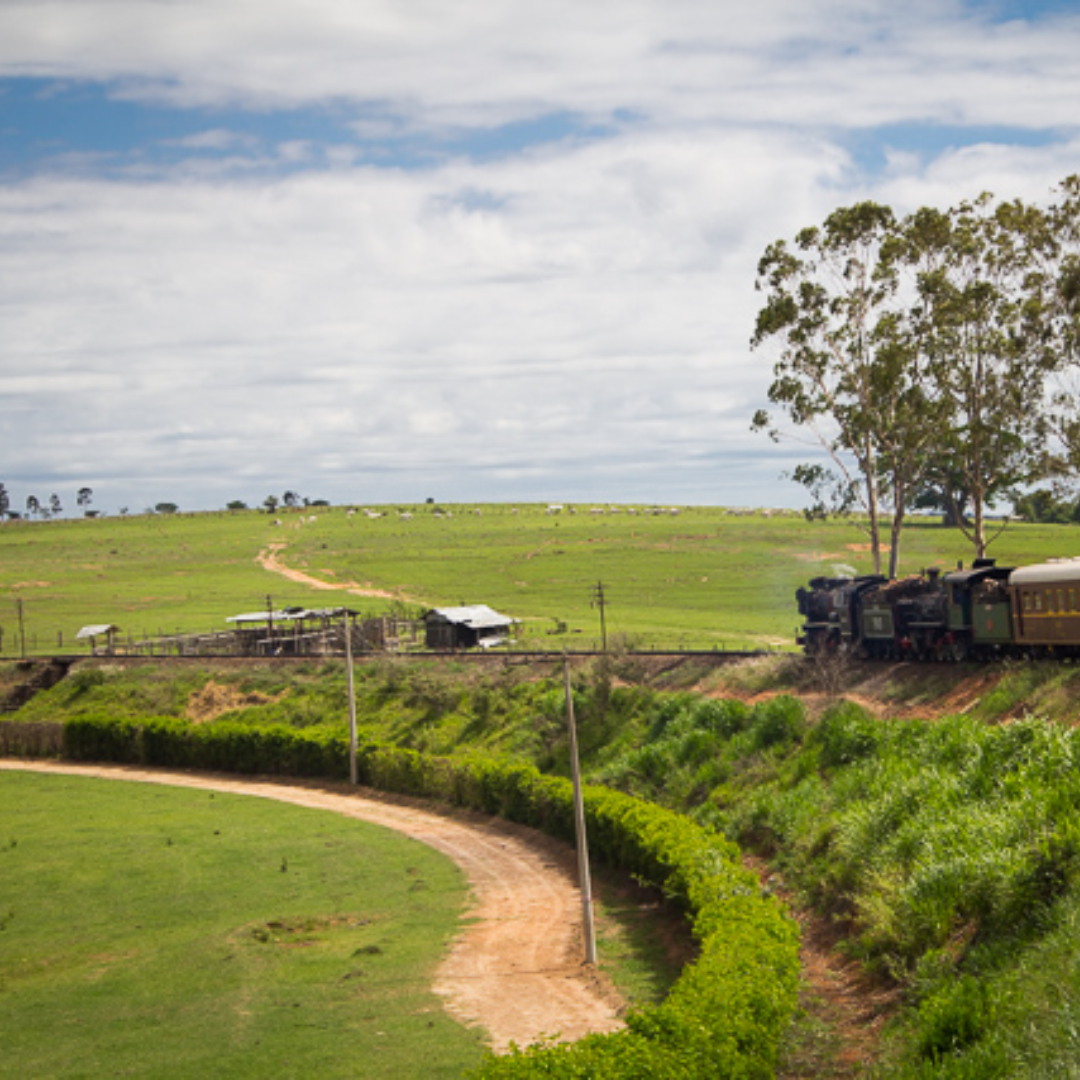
x=269, y=560
x=516, y=969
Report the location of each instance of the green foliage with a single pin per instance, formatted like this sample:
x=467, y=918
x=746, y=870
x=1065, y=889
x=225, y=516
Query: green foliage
x=228, y=746
x=845, y=734
x=726, y=1014
x=950, y=847
x=954, y=1017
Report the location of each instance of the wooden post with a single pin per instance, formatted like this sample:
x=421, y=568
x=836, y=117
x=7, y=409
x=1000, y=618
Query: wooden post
x=579, y=827
x=353, y=772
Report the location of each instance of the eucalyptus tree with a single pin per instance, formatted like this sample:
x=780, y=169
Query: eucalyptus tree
x=1063, y=265
x=849, y=374
x=982, y=319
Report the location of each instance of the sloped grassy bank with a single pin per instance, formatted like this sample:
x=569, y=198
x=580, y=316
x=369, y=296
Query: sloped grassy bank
x=949, y=849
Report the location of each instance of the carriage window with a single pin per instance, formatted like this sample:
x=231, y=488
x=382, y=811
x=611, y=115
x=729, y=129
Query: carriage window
x=1060, y=601
x=1072, y=599
x=1027, y=601
x=1038, y=601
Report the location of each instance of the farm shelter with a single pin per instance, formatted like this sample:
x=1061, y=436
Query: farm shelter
x=466, y=627
x=292, y=630
x=105, y=630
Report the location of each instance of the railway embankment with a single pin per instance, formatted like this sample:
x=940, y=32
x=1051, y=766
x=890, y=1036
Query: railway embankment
x=924, y=813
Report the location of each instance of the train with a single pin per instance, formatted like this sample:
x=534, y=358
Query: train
x=984, y=612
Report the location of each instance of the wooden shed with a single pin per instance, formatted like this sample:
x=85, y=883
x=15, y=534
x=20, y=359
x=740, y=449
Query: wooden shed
x=474, y=626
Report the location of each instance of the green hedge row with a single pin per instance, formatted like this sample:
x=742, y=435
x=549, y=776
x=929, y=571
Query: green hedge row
x=726, y=1014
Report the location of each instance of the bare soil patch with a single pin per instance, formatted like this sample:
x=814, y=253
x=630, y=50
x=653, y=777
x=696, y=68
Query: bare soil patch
x=838, y=995
x=214, y=699
x=516, y=969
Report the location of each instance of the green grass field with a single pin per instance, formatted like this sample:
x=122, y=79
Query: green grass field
x=704, y=578
x=159, y=932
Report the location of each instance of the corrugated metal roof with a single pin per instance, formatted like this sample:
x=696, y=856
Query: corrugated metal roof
x=290, y=614
x=97, y=631
x=476, y=616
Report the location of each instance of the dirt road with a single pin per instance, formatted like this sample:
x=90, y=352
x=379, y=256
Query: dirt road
x=269, y=560
x=516, y=969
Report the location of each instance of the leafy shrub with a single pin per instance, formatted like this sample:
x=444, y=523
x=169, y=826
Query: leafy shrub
x=778, y=722
x=845, y=733
x=85, y=679
x=726, y=716
x=954, y=1018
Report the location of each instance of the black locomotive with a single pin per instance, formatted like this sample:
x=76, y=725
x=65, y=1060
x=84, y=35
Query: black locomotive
x=984, y=612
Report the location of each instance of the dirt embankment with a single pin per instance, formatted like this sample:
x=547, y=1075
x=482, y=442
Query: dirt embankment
x=516, y=970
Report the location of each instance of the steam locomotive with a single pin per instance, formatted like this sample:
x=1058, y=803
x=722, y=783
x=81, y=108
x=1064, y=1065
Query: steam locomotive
x=984, y=612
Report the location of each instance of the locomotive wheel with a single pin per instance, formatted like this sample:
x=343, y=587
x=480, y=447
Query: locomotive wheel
x=956, y=651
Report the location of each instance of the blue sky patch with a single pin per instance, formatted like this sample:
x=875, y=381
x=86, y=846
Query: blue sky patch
x=870, y=147
x=47, y=124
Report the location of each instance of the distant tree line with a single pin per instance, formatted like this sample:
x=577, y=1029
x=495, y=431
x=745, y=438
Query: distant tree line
x=45, y=509
x=932, y=358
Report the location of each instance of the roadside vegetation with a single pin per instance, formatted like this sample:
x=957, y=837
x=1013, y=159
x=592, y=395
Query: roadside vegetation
x=945, y=846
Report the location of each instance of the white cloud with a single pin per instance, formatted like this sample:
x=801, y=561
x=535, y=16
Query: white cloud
x=485, y=63
x=570, y=315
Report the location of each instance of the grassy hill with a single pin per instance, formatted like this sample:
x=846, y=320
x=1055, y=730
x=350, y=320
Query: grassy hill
x=701, y=577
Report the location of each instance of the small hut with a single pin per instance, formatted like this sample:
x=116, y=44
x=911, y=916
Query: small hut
x=103, y=630
x=474, y=626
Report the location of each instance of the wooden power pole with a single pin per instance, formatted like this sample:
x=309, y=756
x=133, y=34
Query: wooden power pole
x=579, y=827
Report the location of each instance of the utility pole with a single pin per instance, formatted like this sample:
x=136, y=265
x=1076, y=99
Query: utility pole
x=599, y=600
x=579, y=827
x=353, y=772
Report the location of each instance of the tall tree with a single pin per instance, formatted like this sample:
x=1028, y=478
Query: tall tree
x=54, y=505
x=981, y=316
x=1062, y=263
x=5, y=502
x=84, y=497
x=848, y=370
x=33, y=506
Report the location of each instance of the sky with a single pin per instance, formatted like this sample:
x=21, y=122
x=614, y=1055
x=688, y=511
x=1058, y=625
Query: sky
x=379, y=251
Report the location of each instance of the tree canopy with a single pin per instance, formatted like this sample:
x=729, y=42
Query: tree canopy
x=932, y=352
